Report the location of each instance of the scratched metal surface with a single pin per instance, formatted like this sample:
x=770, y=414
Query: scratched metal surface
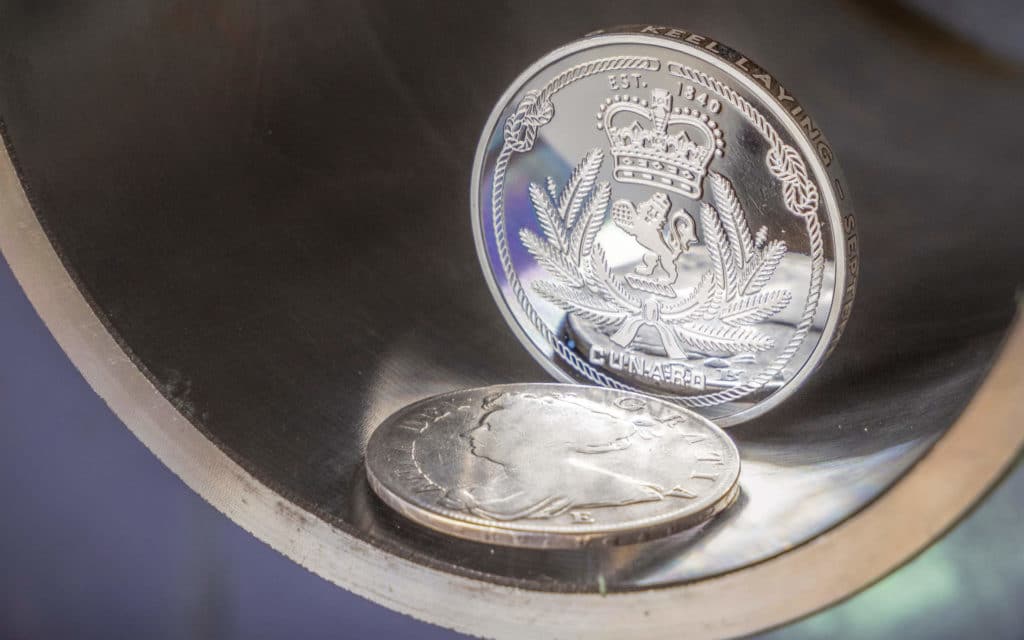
x=267, y=204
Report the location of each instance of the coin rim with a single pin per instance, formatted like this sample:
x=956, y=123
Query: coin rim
x=838, y=210
x=532, y=534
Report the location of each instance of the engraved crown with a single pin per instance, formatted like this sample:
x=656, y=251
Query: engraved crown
x=671, y=151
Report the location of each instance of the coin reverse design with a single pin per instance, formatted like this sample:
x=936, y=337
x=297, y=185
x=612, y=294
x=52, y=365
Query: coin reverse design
x=552, y=466
x=656, y=213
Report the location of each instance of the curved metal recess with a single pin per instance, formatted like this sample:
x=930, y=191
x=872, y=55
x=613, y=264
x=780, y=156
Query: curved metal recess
x=252, y=283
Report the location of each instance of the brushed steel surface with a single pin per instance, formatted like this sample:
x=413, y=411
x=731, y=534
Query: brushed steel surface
x=258, y=270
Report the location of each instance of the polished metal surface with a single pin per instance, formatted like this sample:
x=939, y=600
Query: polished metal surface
x=655, y=212
x=552, y=466
x=247, y=231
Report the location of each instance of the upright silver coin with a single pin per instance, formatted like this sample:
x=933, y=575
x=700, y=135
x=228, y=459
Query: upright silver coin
x=655, y=212
x=552, y=465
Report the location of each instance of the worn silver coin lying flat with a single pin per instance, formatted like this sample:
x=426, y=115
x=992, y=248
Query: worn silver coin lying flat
x=654, y=212
x=552, y=465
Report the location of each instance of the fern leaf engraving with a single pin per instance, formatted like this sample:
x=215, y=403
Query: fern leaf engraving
x=715, y=317
x=709, y=338
x=579, y=186
x=733, y=219
x=761, y=238
x=582, y=282
x=695, y=305
x=716, y=299
x=754, y=309
x=549, y=257
x=552, y=189
x=599, y=266
x=585, y=232
x=770, y=259
x=718, y=250
x=582, y=303
x=592, y=281
x=549, y=221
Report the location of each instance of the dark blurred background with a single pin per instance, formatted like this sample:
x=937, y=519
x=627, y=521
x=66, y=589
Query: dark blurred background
x=99, y=540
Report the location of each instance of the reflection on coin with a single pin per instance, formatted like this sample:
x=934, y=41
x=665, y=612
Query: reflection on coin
x=654, y=212
x=552, y=465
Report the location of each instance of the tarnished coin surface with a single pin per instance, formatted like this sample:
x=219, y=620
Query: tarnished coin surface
x=655, y=212
x=552, y=465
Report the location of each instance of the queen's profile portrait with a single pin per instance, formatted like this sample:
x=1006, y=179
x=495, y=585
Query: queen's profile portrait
x=545, y=460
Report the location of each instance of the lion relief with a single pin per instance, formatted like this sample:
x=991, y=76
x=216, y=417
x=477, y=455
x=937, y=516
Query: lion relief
x=646, y=222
